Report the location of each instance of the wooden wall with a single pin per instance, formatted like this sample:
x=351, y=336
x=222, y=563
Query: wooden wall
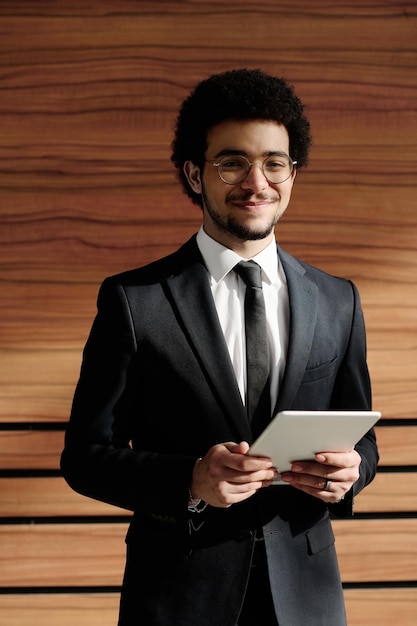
x=88, y=96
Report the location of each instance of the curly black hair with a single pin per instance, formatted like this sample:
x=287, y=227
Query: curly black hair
x=240, y=94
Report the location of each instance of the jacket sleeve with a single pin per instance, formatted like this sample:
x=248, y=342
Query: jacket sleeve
x=97, y=460
x=353, y=391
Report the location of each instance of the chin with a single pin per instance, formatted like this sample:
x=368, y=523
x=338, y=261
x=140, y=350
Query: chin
x=251, y=233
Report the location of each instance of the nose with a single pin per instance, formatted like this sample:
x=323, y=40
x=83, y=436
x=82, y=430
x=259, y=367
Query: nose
x=255, y=180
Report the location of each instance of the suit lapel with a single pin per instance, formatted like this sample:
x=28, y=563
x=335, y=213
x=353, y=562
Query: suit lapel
x=191, y=294
x=303, y=310
x=190, y=290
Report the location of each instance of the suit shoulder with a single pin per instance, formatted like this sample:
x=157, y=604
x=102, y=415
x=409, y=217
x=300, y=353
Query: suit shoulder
x=331, y=287
x=315, y=273
x=158, y=270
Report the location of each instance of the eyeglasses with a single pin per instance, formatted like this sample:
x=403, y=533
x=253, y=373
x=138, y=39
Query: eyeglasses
x=233, y=169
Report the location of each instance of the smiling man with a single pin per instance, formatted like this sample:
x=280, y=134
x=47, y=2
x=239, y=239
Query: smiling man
x=252, y=158
x=174, y=387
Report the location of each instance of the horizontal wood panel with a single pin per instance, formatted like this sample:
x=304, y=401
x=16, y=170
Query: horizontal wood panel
x=30, y=449
x=77, y=156
x=38, y=383
x=381, y=607
x=62, y=554
x=85, y=190
x=41, y=449
x=93, y=554
x=322, y=10
x=389, y=493
x=49, y=497
x=377, y=550
x=205, y=35
x=397, y=445
x=365, y=607
x=95, y=609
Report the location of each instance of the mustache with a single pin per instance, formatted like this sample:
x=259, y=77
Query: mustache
x=244, y=197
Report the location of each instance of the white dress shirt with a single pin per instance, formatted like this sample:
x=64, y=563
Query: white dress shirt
x=229, y=292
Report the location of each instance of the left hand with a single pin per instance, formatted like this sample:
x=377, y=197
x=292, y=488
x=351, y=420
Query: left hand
x=337, y=471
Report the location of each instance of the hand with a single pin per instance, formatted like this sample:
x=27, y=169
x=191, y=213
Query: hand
x=340, y=468
x=227, y=475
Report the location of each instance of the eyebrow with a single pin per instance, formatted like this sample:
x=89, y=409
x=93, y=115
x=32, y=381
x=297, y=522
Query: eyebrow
x=234, y=152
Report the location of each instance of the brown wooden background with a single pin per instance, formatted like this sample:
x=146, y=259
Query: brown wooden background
x=88, y=96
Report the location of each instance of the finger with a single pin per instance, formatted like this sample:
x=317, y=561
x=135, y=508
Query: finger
x=237, y=448
x=349, y=458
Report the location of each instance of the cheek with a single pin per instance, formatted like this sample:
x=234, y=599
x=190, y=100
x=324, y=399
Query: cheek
x=286, y=189
x=215, y=192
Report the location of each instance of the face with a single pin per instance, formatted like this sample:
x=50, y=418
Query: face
x=247, y=211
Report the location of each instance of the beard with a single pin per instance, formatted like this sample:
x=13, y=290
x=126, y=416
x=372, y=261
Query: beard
x=231, y=226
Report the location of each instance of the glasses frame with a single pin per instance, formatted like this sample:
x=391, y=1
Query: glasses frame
x=249, y=167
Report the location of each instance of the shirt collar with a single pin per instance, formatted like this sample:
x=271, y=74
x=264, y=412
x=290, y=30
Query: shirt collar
x=220, y=260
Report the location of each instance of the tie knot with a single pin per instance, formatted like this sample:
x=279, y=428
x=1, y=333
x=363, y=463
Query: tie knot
x=250, y=272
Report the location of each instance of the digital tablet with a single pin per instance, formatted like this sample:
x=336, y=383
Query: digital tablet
x=299, y=435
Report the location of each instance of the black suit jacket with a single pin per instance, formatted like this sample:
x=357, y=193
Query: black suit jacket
x=157, y=390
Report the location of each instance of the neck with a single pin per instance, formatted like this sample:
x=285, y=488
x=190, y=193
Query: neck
x=246, y=248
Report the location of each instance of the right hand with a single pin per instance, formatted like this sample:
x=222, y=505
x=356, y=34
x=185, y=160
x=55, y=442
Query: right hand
x=227, y=475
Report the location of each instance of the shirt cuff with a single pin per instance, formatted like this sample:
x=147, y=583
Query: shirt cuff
x=195, y=505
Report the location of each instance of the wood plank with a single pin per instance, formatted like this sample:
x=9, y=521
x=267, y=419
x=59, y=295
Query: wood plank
x=389, y=493
x=41, y=449
x=76, y=158
x=366, y=547
x=101, y=9
x=38, y=382
x=94, y=609
x=48, y=497
x=30, y=449
x=382, y=607
x=62, y=554
x=52, y=497
x=397, y=445
x=57, y=156
x=93, y=554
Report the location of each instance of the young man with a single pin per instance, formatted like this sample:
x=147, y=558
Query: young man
x=159, y=424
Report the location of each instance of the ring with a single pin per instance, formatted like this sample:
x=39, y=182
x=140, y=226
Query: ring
x=327, y=485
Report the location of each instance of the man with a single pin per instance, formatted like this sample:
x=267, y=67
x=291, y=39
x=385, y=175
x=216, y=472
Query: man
x=159, y=424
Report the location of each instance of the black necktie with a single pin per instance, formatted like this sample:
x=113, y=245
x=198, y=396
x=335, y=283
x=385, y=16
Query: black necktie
x=257, y=359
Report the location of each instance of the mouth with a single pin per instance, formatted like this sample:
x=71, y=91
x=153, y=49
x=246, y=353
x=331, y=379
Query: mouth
x=253, y=205
x=252, y=202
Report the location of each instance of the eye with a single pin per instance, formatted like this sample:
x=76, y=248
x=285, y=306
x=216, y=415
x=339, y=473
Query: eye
x=233, y=164
x=275, y=164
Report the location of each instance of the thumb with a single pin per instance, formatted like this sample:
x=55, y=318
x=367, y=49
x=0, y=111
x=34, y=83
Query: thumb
x=240, y=448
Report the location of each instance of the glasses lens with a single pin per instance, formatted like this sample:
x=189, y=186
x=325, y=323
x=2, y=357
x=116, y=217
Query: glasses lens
x=277, y=168
x=234, y=169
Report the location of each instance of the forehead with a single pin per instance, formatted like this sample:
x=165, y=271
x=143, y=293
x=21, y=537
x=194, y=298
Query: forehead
x=249, y=137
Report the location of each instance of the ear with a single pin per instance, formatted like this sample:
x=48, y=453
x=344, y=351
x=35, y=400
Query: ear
x=192, y=172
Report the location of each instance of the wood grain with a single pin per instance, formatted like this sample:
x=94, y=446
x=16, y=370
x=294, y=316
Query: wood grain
x=88, y=97
x=366, y=547
x=66, y=609
x=51, y=497
x=381, y=607
x=86, y=184
x=389, y=493
x=93, y=554
x=48, y=497
x=41, y=449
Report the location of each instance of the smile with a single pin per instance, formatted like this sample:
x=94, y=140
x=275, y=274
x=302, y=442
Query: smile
x=246, y=204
